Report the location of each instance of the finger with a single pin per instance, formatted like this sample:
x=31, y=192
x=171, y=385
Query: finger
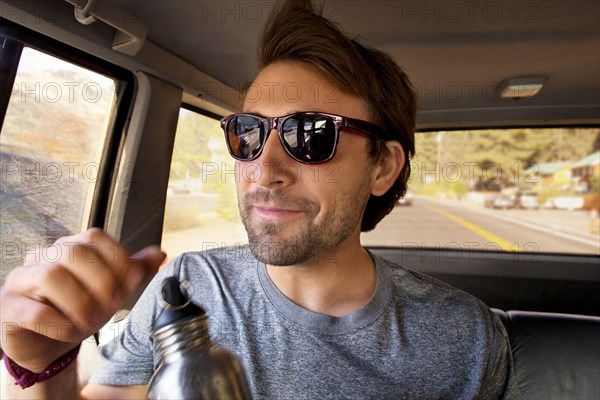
x=101, y=247
x=60, y=295
x=145, y=264
x=106, y=248
x=102, y=265
x=95, y=237
x=39, y=255
x=42, y=318
x=95, y=275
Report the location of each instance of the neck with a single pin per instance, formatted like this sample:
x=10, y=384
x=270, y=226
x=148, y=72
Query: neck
x=335, y=283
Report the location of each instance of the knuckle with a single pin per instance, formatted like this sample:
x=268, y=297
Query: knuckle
x=65, y=239
x=12, y=276
x=93, y=235
x=105, y=287
x=31, y=258
x=89, y=253
x=78, y=253
x=52, y=274
x=4, y=301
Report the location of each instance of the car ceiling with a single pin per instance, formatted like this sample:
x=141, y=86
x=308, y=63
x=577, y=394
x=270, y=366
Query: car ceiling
x=455, y=52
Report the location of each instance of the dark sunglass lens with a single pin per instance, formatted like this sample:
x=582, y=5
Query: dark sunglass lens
x=309, y=138
x=244, y=136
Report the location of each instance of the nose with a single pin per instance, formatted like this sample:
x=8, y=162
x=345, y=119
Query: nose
x=272, y=167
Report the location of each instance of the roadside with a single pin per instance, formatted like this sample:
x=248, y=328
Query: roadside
x=575, y=223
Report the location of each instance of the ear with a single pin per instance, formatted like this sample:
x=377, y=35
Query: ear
x=389, y=168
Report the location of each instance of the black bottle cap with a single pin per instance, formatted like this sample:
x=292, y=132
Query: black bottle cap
x=177, y=305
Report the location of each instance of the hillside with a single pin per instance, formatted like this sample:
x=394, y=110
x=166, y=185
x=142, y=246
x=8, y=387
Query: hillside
x=460, y=158
x=72, y=106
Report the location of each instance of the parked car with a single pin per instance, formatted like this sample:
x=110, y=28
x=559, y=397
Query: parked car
x=488, y=201
x=567, y=202
x=549, y=204
x=504, y=201
x=529, y=200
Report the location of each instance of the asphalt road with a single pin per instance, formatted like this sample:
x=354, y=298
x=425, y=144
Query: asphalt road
x=452, y=224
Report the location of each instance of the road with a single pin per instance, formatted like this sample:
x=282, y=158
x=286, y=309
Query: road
x=442, y=224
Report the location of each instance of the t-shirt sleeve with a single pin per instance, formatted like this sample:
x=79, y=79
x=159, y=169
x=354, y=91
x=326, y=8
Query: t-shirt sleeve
x=127, y=358
x=499, y=381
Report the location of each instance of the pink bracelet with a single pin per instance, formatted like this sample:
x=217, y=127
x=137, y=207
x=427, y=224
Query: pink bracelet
x=26, y=378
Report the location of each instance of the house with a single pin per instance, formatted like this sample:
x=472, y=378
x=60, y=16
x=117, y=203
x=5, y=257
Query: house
x=585, y=173
x=549, y=174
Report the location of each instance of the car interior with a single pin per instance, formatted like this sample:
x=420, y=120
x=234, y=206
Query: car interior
x=145, y=70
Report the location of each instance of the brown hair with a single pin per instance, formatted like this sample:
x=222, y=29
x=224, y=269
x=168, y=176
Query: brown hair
x=298, y=32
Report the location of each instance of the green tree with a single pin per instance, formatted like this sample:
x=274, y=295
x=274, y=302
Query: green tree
x=191, y=145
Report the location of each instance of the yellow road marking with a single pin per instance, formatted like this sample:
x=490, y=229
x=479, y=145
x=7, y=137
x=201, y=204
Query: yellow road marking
x=504, y=244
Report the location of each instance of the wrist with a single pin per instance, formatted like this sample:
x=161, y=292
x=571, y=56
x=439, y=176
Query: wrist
x=26, y=378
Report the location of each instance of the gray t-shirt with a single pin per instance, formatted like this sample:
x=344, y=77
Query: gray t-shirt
x=416, y=338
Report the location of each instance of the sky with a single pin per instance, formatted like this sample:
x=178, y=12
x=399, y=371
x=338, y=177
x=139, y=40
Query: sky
x=33, y=61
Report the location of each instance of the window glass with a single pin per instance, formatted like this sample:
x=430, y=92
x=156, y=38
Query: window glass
x=522, y=190
x=52, y=138
x=201, y=209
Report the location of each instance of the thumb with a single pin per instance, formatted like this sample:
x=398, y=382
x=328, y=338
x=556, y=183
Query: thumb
x=144, y=265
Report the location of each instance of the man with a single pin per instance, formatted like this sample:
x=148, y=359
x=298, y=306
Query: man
x=309, y=311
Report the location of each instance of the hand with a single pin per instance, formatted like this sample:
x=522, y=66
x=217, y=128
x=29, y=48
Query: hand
x=48, y=308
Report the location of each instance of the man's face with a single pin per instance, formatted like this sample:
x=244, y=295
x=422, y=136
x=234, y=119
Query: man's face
x=293, y=212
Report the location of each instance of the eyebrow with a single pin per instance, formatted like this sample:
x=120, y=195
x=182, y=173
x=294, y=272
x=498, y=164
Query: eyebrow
x=283, y=115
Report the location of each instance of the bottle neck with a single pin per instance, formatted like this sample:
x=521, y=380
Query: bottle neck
x=190, y=334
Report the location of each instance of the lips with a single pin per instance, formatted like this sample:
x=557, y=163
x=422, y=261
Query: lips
x=277, y=205
x=274, y=212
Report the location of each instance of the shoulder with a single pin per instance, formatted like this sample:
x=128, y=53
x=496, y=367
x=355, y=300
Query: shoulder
x=427, y=296
x=453, y=327
x=441, y=313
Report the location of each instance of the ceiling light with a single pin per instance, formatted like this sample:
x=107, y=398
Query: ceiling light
x=516, y=88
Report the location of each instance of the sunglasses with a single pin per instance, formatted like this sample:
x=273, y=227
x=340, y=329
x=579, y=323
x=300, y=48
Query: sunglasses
x=308, y=137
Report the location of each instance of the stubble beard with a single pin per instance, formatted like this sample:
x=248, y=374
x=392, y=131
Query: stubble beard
x=270, y=246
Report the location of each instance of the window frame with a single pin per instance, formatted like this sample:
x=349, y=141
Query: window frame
x=17, y=37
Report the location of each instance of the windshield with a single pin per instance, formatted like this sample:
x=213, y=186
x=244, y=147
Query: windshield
x=513, y=190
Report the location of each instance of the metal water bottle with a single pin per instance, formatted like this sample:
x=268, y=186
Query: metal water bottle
x=191, y=366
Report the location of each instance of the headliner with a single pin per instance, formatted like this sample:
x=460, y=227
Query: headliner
x=455, y=52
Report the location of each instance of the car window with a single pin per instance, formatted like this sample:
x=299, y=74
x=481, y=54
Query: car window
x=201, y=209
x=51, y=141
x=516, y=190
